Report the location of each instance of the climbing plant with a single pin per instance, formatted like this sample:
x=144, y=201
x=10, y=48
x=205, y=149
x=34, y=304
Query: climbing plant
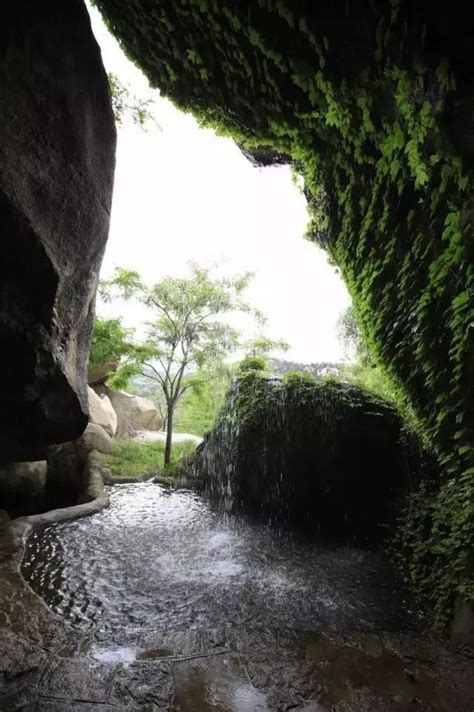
x=359, y=95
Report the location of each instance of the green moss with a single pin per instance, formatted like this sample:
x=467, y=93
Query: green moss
x=317, y=453
x=359, y=95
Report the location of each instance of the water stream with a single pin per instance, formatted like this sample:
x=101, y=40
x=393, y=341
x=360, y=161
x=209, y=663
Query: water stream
x=158, y=556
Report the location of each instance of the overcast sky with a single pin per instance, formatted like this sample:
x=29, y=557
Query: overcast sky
x=182, y=193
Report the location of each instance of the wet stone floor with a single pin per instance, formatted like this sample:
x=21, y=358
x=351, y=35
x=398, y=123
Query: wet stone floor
x=159, y=603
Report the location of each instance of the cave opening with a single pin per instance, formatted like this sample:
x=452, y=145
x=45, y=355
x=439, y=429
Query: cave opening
x=165, y=599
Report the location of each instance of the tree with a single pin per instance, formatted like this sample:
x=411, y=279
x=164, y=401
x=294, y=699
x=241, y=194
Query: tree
x=186, y=335
x=350, y=335
x=124, y=103
x=110, y=341
x=200, y=406
x=260, y=345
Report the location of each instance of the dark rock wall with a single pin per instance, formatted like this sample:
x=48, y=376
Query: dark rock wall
x=57, y=157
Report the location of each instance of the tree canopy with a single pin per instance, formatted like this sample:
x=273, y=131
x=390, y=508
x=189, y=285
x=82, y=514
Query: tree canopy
x=187, y=333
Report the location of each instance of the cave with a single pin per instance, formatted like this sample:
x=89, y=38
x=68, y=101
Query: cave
x=373, y=104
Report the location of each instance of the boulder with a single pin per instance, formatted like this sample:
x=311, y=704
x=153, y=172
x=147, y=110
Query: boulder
x=23, y=478
x=57, y=156
x=94, y=473
x=101, y=412
x=97, y=374
x=133, y=412
x=323, y=455
x=66, y=463
x=95, y=438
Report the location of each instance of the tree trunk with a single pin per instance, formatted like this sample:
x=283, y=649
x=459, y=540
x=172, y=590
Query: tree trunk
x=169, y=435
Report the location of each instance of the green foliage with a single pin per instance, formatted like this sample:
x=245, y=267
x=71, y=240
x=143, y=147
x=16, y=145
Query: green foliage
x=187, y=335
x=371, y=377
x=389, y=193
x=132, y=459
x=350, y=335
x=110, y=341
x=363, y=370
x=253, y=363
x=124, y=104
x=200, y=406
x=186, y=332
x=262, y=346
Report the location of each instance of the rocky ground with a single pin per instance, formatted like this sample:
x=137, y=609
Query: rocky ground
x=153, y=436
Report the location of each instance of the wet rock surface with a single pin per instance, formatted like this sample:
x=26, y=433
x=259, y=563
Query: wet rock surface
x=199, y=636
x=326, y=456
x=57, y=156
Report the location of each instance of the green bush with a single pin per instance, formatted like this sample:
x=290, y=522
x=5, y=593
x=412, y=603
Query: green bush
x=253, y=363
x=132, y=459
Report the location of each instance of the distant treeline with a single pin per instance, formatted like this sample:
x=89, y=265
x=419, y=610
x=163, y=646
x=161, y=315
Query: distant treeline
x=318, y=369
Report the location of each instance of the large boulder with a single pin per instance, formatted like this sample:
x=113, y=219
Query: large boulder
x=322, y=454
x=97, y=374
x=57, y=155
x=133, y=412
x=101, y=412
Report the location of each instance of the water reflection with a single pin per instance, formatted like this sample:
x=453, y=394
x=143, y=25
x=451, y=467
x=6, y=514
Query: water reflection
x=158, y=558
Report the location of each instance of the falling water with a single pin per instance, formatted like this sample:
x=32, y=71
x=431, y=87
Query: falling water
x=158, y=558
x=321, y=454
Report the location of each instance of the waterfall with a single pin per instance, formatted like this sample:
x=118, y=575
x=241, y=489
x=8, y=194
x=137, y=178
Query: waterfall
x=315, y=452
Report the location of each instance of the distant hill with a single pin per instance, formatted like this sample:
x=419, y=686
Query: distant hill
x=321, y=368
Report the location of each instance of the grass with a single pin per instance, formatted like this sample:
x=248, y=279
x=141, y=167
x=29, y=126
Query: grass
x=132, y=459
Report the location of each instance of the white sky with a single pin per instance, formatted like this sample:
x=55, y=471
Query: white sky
x=183, y=193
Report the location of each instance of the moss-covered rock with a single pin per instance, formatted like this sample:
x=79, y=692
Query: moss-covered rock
x=319, y=454
x=373, y=102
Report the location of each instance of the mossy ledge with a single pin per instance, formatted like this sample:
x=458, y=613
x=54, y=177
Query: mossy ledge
x=373, y=102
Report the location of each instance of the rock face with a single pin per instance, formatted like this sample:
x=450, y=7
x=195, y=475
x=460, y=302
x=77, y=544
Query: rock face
x=22, y=487
x=97, y=374
x=95, y=438
x=133, y=412
x=66, y=464
x=101, y=412
x=57, y=155
x=324, y=455
x=23, y=478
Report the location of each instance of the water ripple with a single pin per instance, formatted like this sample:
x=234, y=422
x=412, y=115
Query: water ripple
x=158, y=556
